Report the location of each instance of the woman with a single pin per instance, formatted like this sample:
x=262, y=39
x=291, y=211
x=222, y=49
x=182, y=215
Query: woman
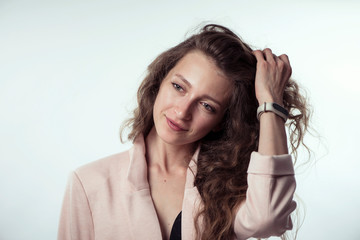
x=210, y=157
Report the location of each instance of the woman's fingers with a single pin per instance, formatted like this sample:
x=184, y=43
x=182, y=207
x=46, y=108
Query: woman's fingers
x=259, y=55
x=272, y=74
x=269, y=56
x=285, y=59
x=265, y=55
x=282, y=62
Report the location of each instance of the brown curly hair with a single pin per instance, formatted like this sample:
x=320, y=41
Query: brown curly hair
x=221, y=177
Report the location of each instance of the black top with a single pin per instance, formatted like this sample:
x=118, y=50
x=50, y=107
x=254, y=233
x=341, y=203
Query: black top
x=176, y=229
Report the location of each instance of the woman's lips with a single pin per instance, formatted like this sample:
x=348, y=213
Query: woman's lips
x=174, y=126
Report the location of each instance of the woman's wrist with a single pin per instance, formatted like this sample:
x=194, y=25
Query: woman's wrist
x=271, y=115
x=272, y=108
x=267, y=97
x=270, y=100
x=272, y=139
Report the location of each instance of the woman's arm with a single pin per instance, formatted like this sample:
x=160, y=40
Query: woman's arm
x=272, y=74
x=76, y=219
x=271, y=182
x=269, y=198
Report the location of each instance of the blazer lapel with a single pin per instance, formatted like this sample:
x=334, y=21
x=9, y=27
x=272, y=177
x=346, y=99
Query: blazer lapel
x=192, y=201
x=143, y=220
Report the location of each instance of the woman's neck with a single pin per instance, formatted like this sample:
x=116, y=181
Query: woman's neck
x=169, y=158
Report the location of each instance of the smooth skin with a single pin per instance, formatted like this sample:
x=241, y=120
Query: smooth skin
x=191, y=102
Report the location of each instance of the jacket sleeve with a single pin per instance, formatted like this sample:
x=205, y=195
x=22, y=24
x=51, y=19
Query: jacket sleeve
x=75, y=218
x=269, y=198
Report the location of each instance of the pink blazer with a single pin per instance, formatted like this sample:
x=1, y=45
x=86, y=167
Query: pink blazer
x=110, y=199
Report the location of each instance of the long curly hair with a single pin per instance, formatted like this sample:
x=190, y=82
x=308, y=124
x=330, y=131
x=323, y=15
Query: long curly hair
x=223, y=160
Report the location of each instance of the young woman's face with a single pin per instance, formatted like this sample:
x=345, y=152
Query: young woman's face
x=191, y=100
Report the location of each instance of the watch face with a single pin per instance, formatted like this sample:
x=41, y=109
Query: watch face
x=280, y=109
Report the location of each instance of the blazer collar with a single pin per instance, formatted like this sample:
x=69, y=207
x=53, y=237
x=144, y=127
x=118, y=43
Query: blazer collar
x=192, y=169
x=137, y=172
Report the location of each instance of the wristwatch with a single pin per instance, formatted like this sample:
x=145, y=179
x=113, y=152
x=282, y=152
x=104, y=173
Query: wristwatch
x=273, y=107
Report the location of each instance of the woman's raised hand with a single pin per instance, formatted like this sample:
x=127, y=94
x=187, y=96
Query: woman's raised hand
x=272, y=74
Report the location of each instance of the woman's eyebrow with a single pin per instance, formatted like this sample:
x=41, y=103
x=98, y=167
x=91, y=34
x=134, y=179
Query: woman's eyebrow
x=213, y=99
x=183, y=79
x=189, y=85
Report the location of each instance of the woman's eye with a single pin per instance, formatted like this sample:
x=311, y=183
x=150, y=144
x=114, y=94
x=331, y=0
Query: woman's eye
x=208, y=107
x=177, y=87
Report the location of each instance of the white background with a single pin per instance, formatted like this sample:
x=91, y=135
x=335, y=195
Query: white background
x=69, y=71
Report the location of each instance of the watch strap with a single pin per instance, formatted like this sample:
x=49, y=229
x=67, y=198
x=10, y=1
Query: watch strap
x=272, y=107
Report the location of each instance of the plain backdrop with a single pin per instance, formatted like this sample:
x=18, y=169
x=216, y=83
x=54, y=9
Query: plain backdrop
x=69, y=71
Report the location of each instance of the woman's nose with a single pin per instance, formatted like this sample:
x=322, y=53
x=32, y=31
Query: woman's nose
x=183, y=110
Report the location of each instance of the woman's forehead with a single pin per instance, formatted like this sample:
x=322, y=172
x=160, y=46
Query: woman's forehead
x=197, y=70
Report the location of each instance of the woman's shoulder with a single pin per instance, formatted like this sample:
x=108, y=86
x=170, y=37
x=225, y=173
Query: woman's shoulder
x=102, y=170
